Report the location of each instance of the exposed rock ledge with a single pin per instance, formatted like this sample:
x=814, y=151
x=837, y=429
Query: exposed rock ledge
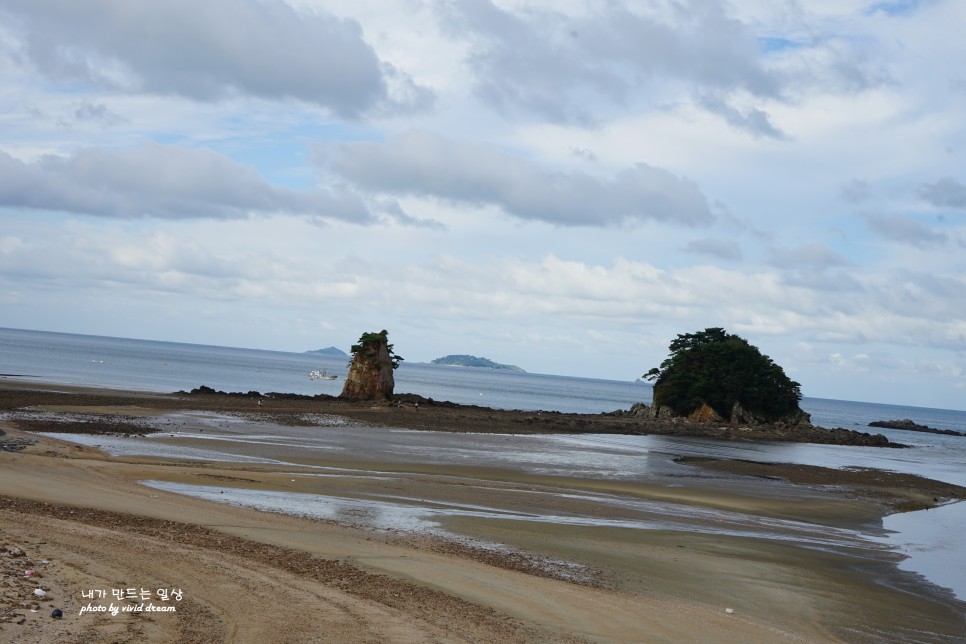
x=909, y=426
x=745, y=426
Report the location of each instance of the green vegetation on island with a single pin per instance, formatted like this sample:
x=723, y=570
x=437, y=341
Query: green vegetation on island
x=473, y=361
x=726, y=373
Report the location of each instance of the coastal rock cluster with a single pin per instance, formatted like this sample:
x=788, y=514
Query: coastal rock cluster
x=909, y=426
x=742, y=425
x=14, y=444
x=739, y=416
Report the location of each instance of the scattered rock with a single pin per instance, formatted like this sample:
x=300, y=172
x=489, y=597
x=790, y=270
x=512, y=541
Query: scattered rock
x=10, y=444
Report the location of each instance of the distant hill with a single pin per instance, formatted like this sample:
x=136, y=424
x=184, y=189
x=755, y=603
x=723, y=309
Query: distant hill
x=473, y=361
x=330, y=351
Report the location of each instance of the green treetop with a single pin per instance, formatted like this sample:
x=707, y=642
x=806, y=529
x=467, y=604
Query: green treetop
x=721, y=369
x=369, y=343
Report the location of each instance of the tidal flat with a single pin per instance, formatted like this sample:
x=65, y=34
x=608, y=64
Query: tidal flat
x=476, y=536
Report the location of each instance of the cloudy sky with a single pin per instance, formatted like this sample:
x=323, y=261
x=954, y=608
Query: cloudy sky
x=565, y=185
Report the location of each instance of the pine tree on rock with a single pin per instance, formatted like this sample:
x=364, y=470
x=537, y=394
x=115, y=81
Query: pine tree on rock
x=370, y=373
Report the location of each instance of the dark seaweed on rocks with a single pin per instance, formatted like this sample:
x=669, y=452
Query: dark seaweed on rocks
x=205, y=390
x=909, y=426
x=99, y=424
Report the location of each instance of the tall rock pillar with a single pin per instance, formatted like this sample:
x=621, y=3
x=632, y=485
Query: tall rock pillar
x=370, y=374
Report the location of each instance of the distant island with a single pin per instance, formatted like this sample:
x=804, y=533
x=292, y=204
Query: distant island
x=329, y=351
x=473, y=361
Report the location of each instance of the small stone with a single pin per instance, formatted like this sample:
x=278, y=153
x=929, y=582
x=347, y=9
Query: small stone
x=57, y=613
x=729, y=610
x=40, y=592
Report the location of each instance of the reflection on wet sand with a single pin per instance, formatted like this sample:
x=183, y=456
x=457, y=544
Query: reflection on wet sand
x=620, y=510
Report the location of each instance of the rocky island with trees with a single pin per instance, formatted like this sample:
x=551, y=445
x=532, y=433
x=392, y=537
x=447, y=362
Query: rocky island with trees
x=716, y=376
x=720, y=385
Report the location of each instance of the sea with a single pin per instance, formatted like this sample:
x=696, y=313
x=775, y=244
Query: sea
x=931, y=539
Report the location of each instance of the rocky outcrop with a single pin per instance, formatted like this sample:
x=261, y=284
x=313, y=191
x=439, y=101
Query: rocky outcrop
x=909, y=426
x=653, y=412
x=370, y=374
x=704, y=414
x=739, y=417
x=11, y=444
x=796, y=428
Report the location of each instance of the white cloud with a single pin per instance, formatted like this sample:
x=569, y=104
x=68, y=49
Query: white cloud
x=203, y=50
x=812, y=255
x=726, y=249
x=562, y=65
x=945, y=193
x=163, y=181
x=9, y=244
x=424, y=164
x=97, y=112
x=904, y=230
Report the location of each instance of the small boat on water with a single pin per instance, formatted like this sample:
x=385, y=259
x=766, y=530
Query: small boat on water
x=315, y=374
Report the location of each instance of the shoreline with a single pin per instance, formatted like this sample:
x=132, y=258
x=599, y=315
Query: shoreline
x=100, y=525
x=404, y=411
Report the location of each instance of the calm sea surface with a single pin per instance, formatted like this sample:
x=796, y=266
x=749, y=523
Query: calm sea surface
x=931, y=539
x=169, y=366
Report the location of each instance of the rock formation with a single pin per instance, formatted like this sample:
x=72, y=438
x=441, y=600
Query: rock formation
x=742, y=417
x=739, y=416
x=705, y=422
x=909, y=426
x=370, y=374
x=704, y=414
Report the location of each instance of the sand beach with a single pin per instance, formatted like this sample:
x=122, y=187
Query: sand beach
x=94, y=535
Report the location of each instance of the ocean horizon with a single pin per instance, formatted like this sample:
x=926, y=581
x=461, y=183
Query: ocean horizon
x=163, y=366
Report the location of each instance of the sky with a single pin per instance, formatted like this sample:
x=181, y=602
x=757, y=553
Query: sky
x=564, y=185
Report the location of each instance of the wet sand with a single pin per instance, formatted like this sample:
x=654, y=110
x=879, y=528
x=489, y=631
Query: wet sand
x=255, y=576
